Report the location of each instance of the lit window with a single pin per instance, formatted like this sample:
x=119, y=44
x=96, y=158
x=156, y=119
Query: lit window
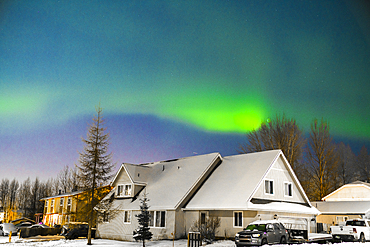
x=238, y=219
x=61, y=204
x=288, y=189
x=127, y=217
x=52, y=206
x=69, y=204
x=124, y=190
x=269, y=187
x=46, y=206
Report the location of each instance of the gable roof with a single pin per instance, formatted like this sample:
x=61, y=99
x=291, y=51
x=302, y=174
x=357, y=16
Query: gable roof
x=73, y=193
x=209, y=182
x=353, y=184
x=233, y=184
x=169, y=183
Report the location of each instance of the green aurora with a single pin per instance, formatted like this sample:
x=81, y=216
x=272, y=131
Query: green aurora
x=214, y=68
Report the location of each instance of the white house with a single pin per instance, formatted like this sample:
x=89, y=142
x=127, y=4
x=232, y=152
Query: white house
x=239, y=189
x=347, y=202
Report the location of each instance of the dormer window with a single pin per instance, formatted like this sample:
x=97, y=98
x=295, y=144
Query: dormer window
x=124, y=190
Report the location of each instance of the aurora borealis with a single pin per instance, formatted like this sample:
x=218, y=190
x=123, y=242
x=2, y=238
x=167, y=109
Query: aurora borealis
x=175, y=78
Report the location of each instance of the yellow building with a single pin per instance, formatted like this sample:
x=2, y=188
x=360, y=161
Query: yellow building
x=70, y=207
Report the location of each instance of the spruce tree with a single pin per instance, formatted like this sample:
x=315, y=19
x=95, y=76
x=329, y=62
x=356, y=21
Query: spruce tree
x=95, y=162
x=144, y=219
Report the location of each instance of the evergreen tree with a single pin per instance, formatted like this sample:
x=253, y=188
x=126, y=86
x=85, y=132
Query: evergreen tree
x=143, y=232
x=95, y=163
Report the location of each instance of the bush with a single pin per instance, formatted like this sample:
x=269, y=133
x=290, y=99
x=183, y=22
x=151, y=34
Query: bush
x=207, y=230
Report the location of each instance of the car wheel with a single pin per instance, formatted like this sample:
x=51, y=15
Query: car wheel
x=283, y=240
x=362, y=238
x=264, y=241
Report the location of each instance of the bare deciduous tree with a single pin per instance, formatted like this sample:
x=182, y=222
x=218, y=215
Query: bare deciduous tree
x=4, y=191
x=279, y=133
x=322, y=160
x=346, y=164
x=64, y=180
x=363, y=165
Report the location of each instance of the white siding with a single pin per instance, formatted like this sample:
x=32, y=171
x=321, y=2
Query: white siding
x=279, y=175
x=116, y=229
x=122, y=178
x=350, y=193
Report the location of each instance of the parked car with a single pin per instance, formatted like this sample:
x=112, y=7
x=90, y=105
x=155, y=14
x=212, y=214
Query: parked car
x=262, y=232
x=76, y=230
x=40, y=226
x=23, y=224
x=6, y=228
x=354, y=230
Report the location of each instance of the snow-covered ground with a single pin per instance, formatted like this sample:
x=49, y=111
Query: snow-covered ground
x=15, y=241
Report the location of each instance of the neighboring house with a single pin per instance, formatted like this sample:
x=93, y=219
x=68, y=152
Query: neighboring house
x=239, y=189
x=69, y=207
x=348, y=202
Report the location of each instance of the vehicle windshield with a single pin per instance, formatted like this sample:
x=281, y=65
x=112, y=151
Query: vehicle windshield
x=355, y=223
x=256, y=227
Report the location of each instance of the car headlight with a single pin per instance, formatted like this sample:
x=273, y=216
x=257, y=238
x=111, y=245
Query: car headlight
x=256, y=235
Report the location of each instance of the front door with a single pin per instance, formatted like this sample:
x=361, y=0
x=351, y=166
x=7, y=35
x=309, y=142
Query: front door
x=203, y=217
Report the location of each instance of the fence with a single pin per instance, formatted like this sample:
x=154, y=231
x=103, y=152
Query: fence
x=194, y=239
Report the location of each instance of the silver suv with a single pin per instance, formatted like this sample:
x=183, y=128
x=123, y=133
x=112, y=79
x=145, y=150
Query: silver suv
x=262, y=232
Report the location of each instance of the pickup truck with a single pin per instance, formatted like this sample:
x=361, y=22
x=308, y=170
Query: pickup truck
x=353, y=230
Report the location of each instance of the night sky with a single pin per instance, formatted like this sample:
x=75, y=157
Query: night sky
x=175, y=78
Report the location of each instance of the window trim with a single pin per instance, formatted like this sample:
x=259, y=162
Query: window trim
x=105, y=216
x=264, y=186
x=291, y=189
x=52, y=205
x=69, y=204
x=153, y=220
x=234, y=219
x=129, y=213
x=122, y=193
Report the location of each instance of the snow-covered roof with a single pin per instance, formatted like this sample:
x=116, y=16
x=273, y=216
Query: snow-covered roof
x=356, y=184
x=342, y=207
x=284, y=207
x=169, y=183
x=73, y=193
x=209, y=182
x=226, y=188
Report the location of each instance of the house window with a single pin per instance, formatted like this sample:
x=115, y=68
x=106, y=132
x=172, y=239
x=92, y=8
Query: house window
x=157, y=219
x=69, y=204
x=124, y=190
x=52, y=206
x=105, y=216
x=127, y=217
x=269, y=187
x=288, y=189
x=46, y=206
x=238, y=219
x=61, y=204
